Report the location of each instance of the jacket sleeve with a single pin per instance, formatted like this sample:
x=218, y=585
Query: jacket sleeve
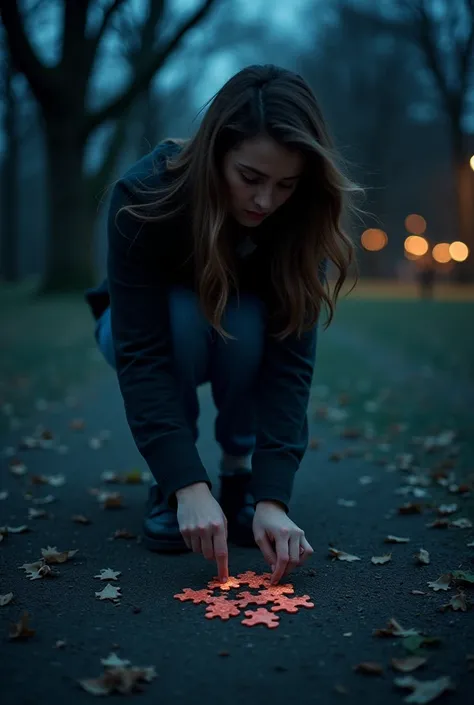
x=143, y=352
x=282, y=423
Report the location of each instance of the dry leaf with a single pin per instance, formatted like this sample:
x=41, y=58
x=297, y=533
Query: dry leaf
x=6, y=599
x=342, y=555
x=123, y=534
x=34, y=513
x=38, y=569
x=80, y=519
x=445, y=509
x=17, y=467
x=60, y=644
x=21, y=630
x=423, y=556
x=114, y=661
x=395, y=539
x=369, y=667
x=418, y=592
x=410, y=663
x=108, y=574
x=52, y=555
x=380, y=560
x=424, y=691
x=461, y=523
x=443, y=582
x=411, y=508
x=110, y=592
x=5, y=530
x=456, y=603
x=120, y=680
x=43, y=500
x=439, y=524
x=395, y=629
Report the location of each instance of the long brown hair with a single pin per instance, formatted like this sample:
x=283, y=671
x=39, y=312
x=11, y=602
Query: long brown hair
x=273, y=101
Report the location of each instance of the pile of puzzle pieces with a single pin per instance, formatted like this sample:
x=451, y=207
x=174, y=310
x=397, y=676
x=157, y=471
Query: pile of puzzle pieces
x=222, y=607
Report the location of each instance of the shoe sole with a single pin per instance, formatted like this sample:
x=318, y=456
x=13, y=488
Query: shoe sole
x=163, y=546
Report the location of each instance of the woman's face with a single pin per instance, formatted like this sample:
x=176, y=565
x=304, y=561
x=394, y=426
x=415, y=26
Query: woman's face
x=260, y=175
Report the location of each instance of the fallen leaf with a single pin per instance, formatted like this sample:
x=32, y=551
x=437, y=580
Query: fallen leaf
x=461, y=523
x=456, y=603
x=48, y=499
x=60, y=644
x=424, y=691
x=114, y=661
x=6, y=599
x=5, y=530
x=445, y=509
x=462, y=576
x=21, y=630
x=418, y=592
x=342, y=555
x=38, y=569
x=80, y=519
x=395, y=539
x=17, y=467
x=369, y=667
x=108, y=574
x=52, y=555
x=123, y=534
x=119, y=680
x=439, y=524
x=422, y=556
x=443, y=582
x=410, y=663
x=34, y=513
x=394, y=629
x=411, y=508
x=415, y=641
x=110, y=592
x=380, y=560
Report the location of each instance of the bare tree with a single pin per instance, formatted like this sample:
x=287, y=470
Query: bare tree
x=61, y=92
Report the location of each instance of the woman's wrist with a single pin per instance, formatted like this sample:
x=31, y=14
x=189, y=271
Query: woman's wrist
x=195, y=488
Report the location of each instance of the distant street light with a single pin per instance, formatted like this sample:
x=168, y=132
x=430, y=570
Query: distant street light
x=459, y=251
x=441, y=252
x=471, y=162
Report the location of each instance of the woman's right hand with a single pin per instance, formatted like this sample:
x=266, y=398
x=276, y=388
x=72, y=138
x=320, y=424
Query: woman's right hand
x=203, y=525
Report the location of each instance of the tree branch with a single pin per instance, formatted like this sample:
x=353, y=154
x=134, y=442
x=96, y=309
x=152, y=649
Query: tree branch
x=145, y=73
x=40, y=77
x=106, y=19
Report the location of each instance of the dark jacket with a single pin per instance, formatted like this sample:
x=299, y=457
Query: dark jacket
x=143, y=261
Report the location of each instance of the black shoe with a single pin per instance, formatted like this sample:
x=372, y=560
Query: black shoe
x=238, y=505
x=160, y=525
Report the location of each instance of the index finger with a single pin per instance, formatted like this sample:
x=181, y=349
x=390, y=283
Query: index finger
x=221, y=554
x=281, y=549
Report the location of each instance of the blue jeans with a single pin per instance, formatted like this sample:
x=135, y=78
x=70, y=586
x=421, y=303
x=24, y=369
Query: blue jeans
x=201, y=355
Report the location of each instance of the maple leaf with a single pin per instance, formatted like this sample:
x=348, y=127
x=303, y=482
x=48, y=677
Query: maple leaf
x=443, y=582
x=406, y=665
x=110, y=592
x=21, y=629
x=424, y=691
x=52, y=555
x=380, y=560
x=227, y=585
x=222, y=608
x=342, y=555
x=395, y=539
x=261, y=616
x=246, y=598
x=108, y=574
x=6, y=599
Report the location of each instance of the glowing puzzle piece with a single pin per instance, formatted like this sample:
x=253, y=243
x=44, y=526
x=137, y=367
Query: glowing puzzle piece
x=274, y=591
x=223, y=608
x=229, y=583
x=261, y=616
x=253, y=580
x=246, y=598
x=291, y=604
x=196, y=596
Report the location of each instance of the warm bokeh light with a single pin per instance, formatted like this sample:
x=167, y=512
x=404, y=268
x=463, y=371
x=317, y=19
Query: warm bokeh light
x=415, y=223
x=373, y=239
x=471, y=162
x=415, y=246
x=458, y=251
x=441, y=252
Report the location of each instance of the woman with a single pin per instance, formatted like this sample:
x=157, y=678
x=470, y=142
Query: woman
x=217, y=249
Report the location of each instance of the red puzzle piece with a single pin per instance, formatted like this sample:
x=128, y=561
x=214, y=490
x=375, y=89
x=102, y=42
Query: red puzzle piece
x=223, y=608
x=261, y=616
x=291, y=604
x=196, y=596
x=253, y=580
x=275, y=591
x=229, y=583
x=246, y=598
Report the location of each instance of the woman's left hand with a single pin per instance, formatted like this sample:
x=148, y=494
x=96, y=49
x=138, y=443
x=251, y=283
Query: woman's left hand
x=282, y=543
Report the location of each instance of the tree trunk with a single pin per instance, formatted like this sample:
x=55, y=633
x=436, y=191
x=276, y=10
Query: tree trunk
x=464, y=207
x=9, y=240
x=71, y=217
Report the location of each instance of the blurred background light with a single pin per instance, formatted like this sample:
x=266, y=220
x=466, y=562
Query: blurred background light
x=374, y=239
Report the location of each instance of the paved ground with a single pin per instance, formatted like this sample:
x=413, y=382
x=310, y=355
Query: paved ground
x=309, y=658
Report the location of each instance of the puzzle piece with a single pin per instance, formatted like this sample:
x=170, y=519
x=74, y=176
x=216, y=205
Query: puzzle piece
x=253, y=580
x=261, y=616
x=246, y=598
x=229, y=583
x=275, y=591
x=196, y=596
x=291, y=604
x=223, y=608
